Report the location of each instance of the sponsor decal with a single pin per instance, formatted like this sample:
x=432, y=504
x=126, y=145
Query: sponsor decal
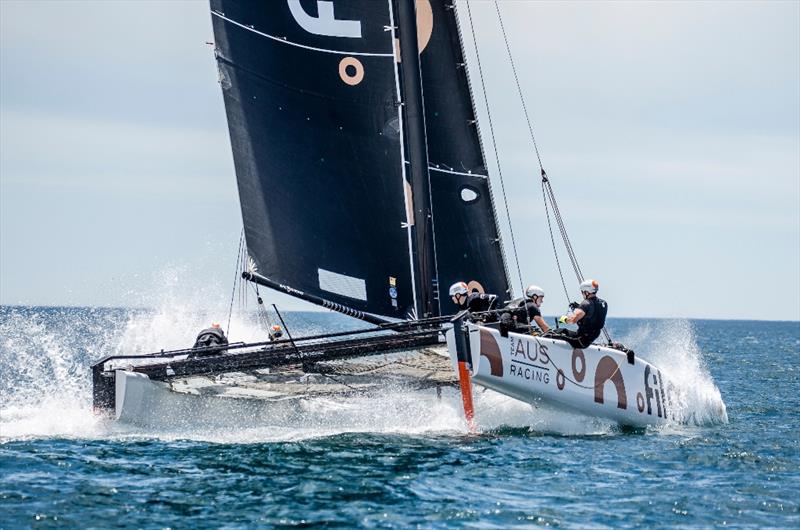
x=351, y=71
x=325, y=23
x=474, y=286
x=491, y=350
x=655, y=391
x=290, y=289
x=578, y=364
x=608, y=370
x=529, y=359
x=393, y=290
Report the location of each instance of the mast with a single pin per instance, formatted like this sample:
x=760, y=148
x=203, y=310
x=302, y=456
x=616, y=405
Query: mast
x=417, y=151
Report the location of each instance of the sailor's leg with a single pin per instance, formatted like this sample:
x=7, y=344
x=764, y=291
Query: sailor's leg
x=567, y=335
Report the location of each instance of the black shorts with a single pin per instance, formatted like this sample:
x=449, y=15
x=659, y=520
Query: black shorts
x=572, y=337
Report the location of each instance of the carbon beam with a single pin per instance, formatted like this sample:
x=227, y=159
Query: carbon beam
x=283, y=355
x=327, y=304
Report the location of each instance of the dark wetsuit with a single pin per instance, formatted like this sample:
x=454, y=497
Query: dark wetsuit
x=518, y=317
x=519, y=313
x=532, y=310
x=477, y=302
x=207, y=338
x=590, y=326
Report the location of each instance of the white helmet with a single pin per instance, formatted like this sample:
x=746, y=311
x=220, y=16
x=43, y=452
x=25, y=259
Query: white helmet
x=458, y=288
x=589, y=286
x=534, y=290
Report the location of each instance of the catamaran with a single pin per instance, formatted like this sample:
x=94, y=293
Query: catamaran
x=364, y=188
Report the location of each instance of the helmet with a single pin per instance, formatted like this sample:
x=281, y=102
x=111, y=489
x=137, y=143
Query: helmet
x=589, y=286
x=534, y=290
x=458, y=288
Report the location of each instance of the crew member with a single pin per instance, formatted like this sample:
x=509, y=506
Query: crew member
x=275, y=332
x=534, y=296
x=472, y=302
x=590, y=316
x=213, y=336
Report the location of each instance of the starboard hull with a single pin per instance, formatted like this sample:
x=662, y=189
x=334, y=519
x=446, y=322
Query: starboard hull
x=596, y=381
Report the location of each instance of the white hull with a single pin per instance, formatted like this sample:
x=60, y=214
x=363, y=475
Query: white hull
x=280, y=397
x=141, y=401
x=596, y=381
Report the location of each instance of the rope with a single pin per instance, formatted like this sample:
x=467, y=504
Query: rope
x=553, y=241
x=494, y=147
x=516, y=80
x=547, y=189
x=261, y=312
x=236, y=279
x=590, y=387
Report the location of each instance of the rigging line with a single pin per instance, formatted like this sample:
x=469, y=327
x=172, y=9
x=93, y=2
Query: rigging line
x=553, y=241
x=588, y=387
x=563, y=230
x=299, y=352
x=235, y=280
x=494, y=147
x=261, y=312
x=545, y=180
x=516, y=80
x=567, y=244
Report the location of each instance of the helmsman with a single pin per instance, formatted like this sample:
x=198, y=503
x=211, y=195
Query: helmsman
x=473, y=302
x=590, y=316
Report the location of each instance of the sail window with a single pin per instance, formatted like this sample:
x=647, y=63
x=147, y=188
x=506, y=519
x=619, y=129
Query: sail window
x=469, y=194
x=343, y=285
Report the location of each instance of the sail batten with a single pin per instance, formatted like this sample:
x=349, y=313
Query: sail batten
x=290, y=43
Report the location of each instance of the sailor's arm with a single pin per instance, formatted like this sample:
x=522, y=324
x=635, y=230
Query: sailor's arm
x=573, y=317
x=541, y=323
x=576, y=316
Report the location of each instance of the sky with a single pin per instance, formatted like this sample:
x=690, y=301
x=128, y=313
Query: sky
x=670, y=132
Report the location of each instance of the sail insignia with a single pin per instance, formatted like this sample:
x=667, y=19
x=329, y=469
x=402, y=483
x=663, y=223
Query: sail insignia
x=326, y=23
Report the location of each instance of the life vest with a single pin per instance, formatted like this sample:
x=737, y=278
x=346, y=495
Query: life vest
x=211, y=337
x=477, y=302
x=590, y=326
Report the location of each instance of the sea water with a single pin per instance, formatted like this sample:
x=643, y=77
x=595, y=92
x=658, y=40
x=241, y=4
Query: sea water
x=404, y=459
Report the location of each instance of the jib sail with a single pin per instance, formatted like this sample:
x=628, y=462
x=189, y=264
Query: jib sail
x=467, y=240
x=311, y=95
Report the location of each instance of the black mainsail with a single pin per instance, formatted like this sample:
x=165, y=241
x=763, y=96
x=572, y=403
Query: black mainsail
x=362, y=183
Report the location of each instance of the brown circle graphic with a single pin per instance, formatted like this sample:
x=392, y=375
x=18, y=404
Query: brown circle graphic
x=424, y=23
x=351, y=71
x=424, y=28
x=474, y=286
x=640, y=401
x=560, y=379
x=579, y=374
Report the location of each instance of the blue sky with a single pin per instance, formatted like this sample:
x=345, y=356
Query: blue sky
x=670, y=130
